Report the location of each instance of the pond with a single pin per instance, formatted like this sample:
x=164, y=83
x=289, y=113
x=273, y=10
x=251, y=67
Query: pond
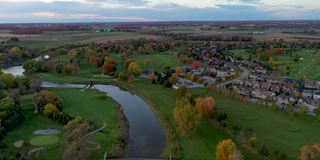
x=15, y=70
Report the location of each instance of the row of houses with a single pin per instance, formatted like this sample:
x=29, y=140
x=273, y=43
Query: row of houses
x=281, y=91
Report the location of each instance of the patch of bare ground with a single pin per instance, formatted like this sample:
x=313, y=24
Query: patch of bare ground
x=288, y=37
x=122, y=37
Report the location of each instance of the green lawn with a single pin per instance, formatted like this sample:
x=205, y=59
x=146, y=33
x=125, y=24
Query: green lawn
x=91, y=105
x=158, y=61
x=55, y=39
x=24, y=131
x=308, y=67
x=88, y=104
x=45, y=140
x=277, y=130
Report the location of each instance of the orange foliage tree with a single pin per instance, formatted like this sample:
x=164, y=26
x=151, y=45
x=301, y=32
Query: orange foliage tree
x=196, y=64
x=310, y=152
x=205, y=106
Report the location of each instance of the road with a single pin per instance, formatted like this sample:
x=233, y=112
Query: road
x=244, y=74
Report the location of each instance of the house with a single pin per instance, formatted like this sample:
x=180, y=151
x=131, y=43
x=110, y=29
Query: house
x=282, y=100
x=275, y=88
x=310, y=85
x=307, y=94
x=266, y=86
x=316, y=95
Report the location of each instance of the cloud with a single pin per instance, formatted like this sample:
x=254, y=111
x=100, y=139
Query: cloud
x=87, y=16
x=150, y=10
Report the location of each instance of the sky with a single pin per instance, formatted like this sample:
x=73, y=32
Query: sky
x=43, y=11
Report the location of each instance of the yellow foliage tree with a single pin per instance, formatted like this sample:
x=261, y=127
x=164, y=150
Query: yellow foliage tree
x=134, y=69
x=227, y=150
x=185, y=117
x=50, y=109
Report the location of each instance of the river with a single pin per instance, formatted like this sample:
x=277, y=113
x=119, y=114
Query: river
x=146, y=136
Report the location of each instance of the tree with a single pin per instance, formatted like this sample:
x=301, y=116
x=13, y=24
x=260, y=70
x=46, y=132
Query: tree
x=182, y=91
x=205, y=106
x=196, y=64
x=310, y=152
x=179, y=70
x=45, y=97
x=75, y=141
x=271, y=61
x=134, y=69
x=174, y=79
x=147, y=62
x=227, y=150
x=50, y=109
x=109, y=66
x=280, y=51
x=185, y=117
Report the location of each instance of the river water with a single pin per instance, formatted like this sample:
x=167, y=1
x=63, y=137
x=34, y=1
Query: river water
x=146, y=136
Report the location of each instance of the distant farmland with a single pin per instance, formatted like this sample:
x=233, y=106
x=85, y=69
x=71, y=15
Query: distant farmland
x=60, y=38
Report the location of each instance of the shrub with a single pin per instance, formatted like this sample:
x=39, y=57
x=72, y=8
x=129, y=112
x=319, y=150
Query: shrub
x=253, y=141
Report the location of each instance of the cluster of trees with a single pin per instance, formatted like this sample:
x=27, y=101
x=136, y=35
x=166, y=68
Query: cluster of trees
x=10, y=55
x=11, y=115
x=186, y=115
x=75, y=141
x=51, y=106
x=142, y=46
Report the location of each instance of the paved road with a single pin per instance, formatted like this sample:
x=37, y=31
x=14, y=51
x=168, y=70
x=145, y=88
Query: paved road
x=244, y=74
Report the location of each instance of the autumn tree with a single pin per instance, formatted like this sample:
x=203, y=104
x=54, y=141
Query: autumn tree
x=205, y=106
x=75, y=140
x=196, y=64
x=50, y=109
x=182, y=91
x=174, y=79
x=45, y=97
x=310, y=152
x=109, y=66
x=134, y=69
x=178, y=71
x=279, y=51
x=227, y=150
x=185, y=117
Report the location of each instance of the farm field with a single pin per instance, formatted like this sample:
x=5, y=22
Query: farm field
x=60, y=38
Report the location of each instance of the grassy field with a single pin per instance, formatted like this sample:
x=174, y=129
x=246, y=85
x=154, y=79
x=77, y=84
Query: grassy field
x=89, y=104
x=56, y=39
x=277, y=130
x=307, y=67
x=158, y=61
x=202, y=143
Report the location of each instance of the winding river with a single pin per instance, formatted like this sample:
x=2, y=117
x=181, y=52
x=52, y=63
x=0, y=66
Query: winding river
x=146, y=136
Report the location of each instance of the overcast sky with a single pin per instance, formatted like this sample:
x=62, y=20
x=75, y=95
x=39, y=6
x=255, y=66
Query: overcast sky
x=17, y=11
